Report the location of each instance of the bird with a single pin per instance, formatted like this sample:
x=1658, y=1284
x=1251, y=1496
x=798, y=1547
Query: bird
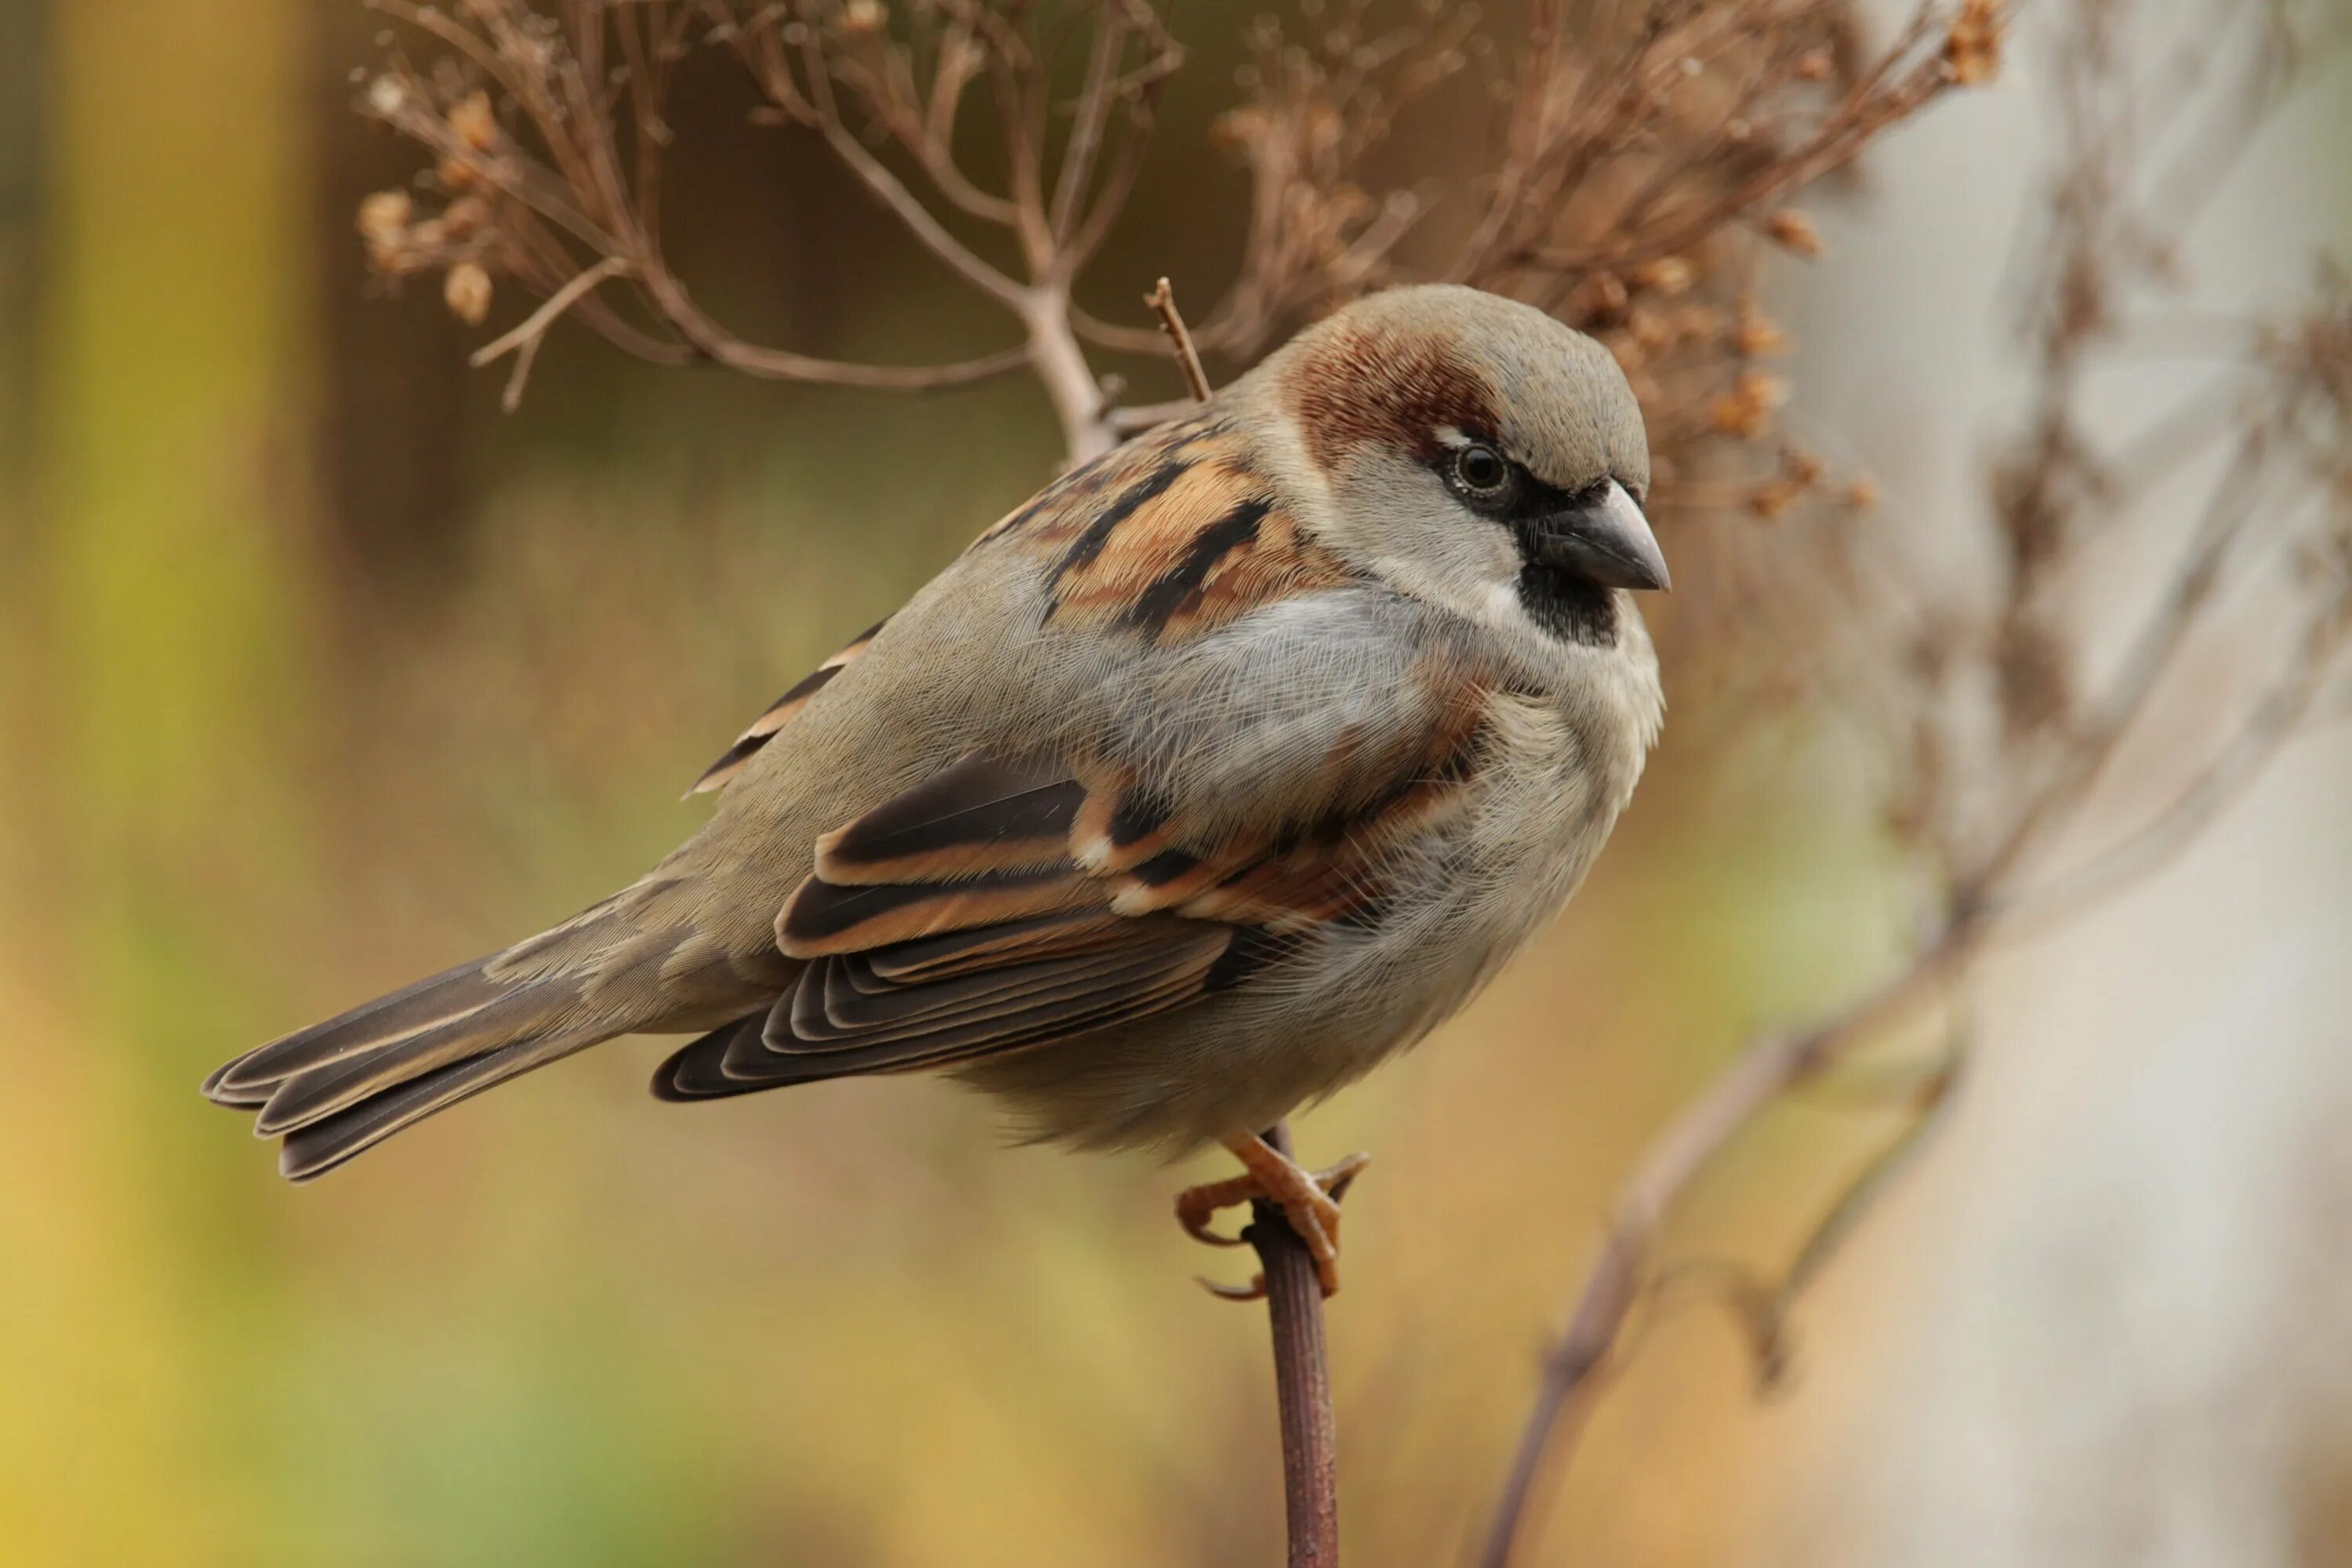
x=1225, y=768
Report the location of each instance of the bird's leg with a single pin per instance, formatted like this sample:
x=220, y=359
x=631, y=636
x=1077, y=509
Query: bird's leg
x=1308, y=1199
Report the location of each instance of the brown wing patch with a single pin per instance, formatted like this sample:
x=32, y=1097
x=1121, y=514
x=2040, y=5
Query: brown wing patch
x=998, y=907
x=990, y=939
x=1215, y=547
x=1067, y=507
x=1146, y=526
x=1171, y=535
x=778, y=713
x=822, y=918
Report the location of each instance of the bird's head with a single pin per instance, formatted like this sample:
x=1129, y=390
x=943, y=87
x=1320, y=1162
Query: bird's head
x=1472, y=451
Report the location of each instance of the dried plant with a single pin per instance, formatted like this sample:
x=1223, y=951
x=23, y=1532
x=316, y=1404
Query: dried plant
x=2000, y=705
x=1641, y=158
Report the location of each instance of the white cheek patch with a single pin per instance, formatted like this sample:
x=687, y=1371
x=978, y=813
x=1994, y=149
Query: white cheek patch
x=1503, y=607
x=1416, y=578
x=1483, y=590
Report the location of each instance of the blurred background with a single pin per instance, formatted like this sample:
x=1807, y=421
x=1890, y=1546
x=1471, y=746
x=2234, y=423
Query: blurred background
x=318, y=672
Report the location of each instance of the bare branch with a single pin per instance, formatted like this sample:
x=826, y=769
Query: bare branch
x=1763, y=1071
x=527, y=337
x=887, y=188
x=1302, y=1377
x=1092, y=115
x=2173, y=827
x=1162, y=299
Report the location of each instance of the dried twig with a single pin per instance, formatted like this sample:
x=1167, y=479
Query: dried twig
x=1637, y=153
x=524, y=339
x=1162, y=299
x=1574, y=1372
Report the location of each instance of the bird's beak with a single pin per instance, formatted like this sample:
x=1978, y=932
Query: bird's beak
x=1608, y=541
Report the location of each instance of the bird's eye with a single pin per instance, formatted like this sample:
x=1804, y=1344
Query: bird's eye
x=1481, y=471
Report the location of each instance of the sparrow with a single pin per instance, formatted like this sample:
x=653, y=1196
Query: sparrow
x=1228, y=765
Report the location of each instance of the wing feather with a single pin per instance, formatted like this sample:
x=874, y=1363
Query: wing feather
x=957, y=920
x=778, y=713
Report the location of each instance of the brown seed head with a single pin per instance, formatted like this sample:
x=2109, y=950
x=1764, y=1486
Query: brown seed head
x=1745, y=409
x=474, y=124
x=1793, y=231
x=384, y=215
x=466, y=292
x=1972, y=48
x=1667, y=275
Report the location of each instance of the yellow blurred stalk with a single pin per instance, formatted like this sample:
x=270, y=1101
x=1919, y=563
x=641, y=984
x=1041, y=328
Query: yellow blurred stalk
x=168, y=579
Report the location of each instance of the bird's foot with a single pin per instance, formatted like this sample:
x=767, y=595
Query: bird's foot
x=1308, y=1199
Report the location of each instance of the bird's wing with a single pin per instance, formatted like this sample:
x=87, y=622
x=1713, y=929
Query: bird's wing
x=778, y=713
x=1256, y=792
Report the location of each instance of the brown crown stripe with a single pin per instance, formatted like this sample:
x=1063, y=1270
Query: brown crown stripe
x=1358, y=388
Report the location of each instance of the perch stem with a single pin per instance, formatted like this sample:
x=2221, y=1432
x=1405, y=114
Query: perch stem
x=1302, y=1380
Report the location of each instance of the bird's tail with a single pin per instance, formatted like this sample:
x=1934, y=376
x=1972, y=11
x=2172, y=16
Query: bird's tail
x=343, y=1086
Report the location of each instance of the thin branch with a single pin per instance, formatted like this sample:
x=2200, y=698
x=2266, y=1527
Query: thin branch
x=1764, y=1071
x=2274, y=721
x=670, y=297
x=1162, y=301
x=1060, y=364
x=2058, y=490
x=886, y=187
x=1302, y=1380
x=1294, y=1286
x=524, y=339
x=1087, y=129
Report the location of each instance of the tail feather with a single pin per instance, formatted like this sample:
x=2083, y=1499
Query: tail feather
x=337, y=1088
x=318, y=1092
x=320, y=1146
x=435, y=1001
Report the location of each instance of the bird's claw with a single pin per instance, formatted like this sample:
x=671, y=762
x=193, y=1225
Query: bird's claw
x=1310, y=1200
x=1253, y=1291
